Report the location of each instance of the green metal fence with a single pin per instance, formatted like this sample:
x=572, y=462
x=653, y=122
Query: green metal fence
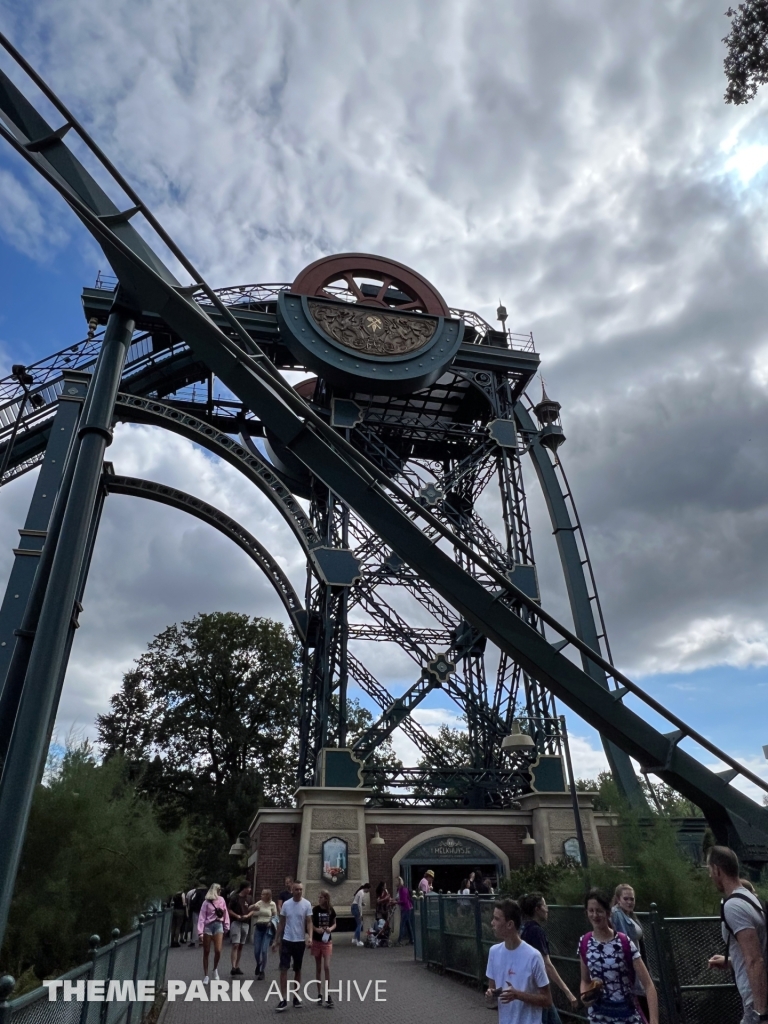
x=453, y=933
x=138, y=956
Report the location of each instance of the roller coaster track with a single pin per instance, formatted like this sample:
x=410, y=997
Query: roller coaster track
x=250, y=462
x=146, y=283
x=174, y=498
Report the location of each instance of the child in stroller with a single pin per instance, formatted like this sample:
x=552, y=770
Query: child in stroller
x=379, y=934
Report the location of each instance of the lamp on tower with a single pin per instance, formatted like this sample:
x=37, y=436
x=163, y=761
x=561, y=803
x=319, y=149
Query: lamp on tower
x=517, y=739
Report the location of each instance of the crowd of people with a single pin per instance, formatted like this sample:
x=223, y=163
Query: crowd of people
x=384, y=905
x=288, y=925
x=615, y=984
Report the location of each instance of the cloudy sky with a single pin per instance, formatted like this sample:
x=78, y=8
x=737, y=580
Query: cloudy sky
x=576, y=161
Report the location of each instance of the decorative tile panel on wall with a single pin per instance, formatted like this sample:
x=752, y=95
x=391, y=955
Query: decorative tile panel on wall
x=334, y=818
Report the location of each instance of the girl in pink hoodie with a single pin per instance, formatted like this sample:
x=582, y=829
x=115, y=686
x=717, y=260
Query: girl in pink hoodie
x=212, y=923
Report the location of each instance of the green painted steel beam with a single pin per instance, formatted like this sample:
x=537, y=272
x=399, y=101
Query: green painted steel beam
x=60, y=434
x=393, y=716
x=53, y=628
x=578, y=597
x=734, y=816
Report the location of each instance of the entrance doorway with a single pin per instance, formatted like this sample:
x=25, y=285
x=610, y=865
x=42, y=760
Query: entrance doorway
x=452, y=858
x=449, y=876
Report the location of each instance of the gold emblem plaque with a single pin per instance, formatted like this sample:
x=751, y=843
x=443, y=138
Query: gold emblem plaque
x=372, y=333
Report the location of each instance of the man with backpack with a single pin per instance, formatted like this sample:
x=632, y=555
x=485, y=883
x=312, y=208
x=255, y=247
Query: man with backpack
x=744, y=932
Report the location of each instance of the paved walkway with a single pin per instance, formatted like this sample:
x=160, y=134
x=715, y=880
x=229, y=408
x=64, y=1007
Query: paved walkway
x=412, y=992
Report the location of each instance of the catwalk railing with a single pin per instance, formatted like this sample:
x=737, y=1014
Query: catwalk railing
x=139, y=956
x=453, y=934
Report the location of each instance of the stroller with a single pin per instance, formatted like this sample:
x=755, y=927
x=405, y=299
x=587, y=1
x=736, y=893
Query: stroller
x=380, y=932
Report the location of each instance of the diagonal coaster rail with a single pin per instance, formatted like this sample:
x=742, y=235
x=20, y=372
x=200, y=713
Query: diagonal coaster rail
x=387, y=508
x=164, y=494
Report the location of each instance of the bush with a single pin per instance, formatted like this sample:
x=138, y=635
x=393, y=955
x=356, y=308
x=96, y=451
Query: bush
x=94, y=859
x=654, y=866
x=548, y=879
x=661, y=873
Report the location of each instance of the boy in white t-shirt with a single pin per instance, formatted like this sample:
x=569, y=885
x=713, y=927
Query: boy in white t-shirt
x=516, y=972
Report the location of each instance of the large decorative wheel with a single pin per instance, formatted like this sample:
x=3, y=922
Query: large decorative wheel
x=371, y=281
x=368, y=325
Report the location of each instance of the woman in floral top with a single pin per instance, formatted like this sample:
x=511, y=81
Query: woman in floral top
x=611, y=960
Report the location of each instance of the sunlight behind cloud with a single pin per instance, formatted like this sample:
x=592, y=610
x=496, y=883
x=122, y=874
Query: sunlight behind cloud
x=760, y=367
x=747, y=161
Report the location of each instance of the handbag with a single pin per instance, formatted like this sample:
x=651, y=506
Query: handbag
x=591, y=994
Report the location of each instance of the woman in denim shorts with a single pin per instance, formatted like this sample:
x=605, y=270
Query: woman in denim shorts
x=323, y=927
x=212, y=923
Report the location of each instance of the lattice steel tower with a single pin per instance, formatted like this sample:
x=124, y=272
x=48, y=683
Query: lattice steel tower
x=407, y=447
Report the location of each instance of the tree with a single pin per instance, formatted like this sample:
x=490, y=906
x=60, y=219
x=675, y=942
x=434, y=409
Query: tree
x=129, y=728
x=359, y=720
x=95, y=857
x=209, y=719
x=661, y=798
x=455, y=752
x=746, y=63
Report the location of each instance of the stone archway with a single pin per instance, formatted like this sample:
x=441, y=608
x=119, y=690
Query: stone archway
x=456, y=850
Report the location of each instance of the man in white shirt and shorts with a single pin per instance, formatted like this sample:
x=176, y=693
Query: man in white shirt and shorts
x=516, y=972
x=294, y=935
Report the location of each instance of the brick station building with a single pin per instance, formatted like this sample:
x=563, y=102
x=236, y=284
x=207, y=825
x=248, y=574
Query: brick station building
x=380, y=843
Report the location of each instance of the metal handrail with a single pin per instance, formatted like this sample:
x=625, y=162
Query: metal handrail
x=253, y=359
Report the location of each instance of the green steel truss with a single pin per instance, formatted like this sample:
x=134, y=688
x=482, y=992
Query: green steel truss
x=469, y=583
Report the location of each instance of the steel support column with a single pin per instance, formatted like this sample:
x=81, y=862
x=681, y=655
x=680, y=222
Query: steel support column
x=39, y=699
x=74, y=622
x=25, y=634
x=578, y=598
x=33, y=537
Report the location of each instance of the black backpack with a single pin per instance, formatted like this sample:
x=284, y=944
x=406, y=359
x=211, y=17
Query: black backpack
x=754, y=901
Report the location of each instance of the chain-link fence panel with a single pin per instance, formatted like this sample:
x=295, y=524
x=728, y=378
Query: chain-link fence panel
x=706, y=996
x=430, y=908
x=35, y=1007
x=487, y=938
x=123, y=964
x=461, y=950
x=100, y=961
x=418, y=946
x=657, y=955
x=140, y=956
x=154, y=954
x=565, y=926
x=166, y=922
x=145, y=950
